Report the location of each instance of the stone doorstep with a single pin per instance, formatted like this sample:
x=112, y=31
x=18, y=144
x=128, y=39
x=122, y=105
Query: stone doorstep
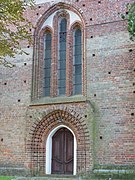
x=49, y=177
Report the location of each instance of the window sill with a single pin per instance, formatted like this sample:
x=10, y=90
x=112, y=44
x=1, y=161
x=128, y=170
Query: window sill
x=58, y=100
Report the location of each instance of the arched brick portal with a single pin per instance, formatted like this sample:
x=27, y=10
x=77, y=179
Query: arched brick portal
x=42, y=129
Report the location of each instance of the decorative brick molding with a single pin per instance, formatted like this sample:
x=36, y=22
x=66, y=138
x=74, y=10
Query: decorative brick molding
x=42, y=128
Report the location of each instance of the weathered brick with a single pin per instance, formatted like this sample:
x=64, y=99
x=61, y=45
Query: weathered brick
x=103, y=120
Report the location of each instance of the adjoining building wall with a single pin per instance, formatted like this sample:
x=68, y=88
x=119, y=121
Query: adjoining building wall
x=102, y=119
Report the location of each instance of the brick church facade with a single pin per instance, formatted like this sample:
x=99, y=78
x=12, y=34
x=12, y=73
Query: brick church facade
x=68, y=107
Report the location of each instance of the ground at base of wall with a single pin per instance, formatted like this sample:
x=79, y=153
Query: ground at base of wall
x=6, y=178
x=91, y=177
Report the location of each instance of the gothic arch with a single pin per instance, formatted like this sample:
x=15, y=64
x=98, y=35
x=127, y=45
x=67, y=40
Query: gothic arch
x=41, y=130
x=53, y=12
x=59, y=6
x=40, y=76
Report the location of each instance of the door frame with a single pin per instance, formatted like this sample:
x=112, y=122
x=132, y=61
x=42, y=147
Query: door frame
x=49, y=149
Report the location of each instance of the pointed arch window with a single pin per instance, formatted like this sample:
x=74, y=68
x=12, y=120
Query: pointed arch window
x=47, y=63
x=77, y=62
x=62, y=57
x=59, y=57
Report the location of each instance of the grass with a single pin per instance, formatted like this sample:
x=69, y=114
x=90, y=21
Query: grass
x=6, y=177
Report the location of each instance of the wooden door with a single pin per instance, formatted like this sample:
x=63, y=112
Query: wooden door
x=62, y=152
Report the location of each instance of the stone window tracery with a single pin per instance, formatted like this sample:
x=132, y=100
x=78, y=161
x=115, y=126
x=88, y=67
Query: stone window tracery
x=59, y=56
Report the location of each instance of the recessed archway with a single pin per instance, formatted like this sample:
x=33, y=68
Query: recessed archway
x=49, y=149
x=40, y=142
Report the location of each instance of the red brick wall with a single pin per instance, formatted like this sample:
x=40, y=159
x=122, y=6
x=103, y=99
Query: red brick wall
x=109, y=56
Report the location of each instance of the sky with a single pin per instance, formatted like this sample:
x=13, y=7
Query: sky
x=43, y=1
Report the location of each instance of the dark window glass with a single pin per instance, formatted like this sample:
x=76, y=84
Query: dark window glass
x=47, y=73
x=77, y=79
x=62, y=57
x=78, y=59
x=62, y=90
x=62, y=83
x=77, y=73
x=62, y=64
x=62, y=73
x=47, y=53
x=47, y=63
x=47, y=82
x=77, y=50
x=62, y=46
x=77, y=88
x=47, y=91
x=78, y=69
